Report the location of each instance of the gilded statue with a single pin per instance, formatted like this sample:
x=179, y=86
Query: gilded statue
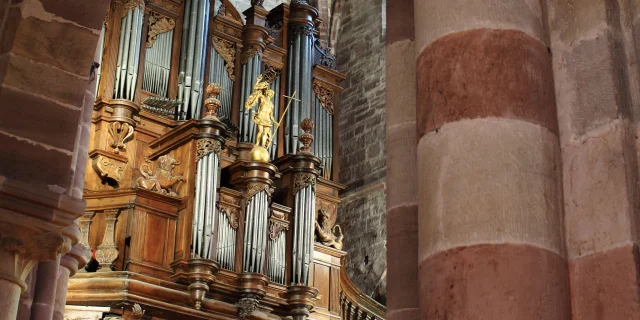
x=263, y=117
x=330, y=237
x=164, y=180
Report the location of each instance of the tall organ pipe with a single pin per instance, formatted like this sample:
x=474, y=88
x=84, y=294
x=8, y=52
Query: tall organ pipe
x=299, y=80
x=192, y=59
x=98, y=57
x=157, y=65
x=219, y=74
x=255, y=233
x=129, y=54
x=206, y=217
x=304, y=206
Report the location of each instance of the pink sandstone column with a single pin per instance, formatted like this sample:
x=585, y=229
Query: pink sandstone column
x=490, y=207
x=45, y=293
x=596, y=98
x=402, y=183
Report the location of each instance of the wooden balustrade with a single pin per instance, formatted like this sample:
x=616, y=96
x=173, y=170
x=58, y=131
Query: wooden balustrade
x=355, y=305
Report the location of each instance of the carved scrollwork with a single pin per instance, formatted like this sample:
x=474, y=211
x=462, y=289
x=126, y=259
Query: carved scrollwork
x=207, y=146
x=325, y=95
x=132, y=4
x=275, y=227
x=250, y=52
x=303, y=29
x=303, y=180
x=120, y=133
x=158, y=24
x=270, y=73
x=253, y=188
x=232, y=215
x=163, y=181
x=227, y=50
x=109, y=170
x=247, y=305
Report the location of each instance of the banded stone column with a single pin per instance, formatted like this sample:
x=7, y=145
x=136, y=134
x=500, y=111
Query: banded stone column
x=597, y=95
x=402, y=183
x=490, y=206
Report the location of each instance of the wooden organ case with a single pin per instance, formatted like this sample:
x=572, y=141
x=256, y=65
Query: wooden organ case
x=181, y=222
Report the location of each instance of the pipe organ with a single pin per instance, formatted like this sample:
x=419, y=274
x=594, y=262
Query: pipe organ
x=210, y=185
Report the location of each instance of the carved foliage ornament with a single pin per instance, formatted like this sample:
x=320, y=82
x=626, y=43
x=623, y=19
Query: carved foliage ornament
x=276, y=227
x=271, y=73
x=120, y=133
x=207, y=146
x=303, y=180
x=232, y=215
x=247, y=305
x=253, y=188
x=163, y=181
x=158, y=24
x=250, y=52
x=132, y=4
x=303, y=29
x=227, y=50
x=325, y=95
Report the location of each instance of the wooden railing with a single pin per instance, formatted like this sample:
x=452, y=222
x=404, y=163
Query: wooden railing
x=355, y=305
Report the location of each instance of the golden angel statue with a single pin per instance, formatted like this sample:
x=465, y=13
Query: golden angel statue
x=263, y=117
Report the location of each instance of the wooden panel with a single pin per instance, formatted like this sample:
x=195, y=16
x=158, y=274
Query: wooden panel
x=334, y=289
x=154, y=239
x=321, y=282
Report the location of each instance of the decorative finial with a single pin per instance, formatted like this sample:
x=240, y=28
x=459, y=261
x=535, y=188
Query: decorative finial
x=212, y=103
x=306, y=138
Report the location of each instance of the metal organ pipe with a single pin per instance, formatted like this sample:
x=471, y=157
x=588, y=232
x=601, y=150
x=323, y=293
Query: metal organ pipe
x=192, y=60
x=206, y=224
x=157, y=65
x=304, y=207
x=129, y=54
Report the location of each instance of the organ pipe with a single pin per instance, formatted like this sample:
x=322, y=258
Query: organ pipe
x=157, y=65
x=129, y=53
x=255, y=235
x=192, y=59
x=303, y=229
x=206, y=216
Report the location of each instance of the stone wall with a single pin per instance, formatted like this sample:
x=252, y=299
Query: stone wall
x=361, y=56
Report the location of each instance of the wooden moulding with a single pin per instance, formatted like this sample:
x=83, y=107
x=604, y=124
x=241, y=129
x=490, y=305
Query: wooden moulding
x=198, y=274
x=119, y=110
x=188, y=131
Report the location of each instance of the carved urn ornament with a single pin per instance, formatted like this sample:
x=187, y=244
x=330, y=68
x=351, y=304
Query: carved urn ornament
x=212, y=103
x=306, y=138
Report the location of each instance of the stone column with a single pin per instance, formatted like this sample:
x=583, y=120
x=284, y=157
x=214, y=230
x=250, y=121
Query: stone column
x=45, y=294
x=69, y=265
x=597, y=101
x=402, y=183
x=490, y=206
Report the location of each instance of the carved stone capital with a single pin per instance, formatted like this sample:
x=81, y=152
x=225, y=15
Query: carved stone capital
x=302, y=180
x=21, y=248
x=207, y=146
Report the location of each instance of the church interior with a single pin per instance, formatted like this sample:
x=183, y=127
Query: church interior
x=319, y=159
